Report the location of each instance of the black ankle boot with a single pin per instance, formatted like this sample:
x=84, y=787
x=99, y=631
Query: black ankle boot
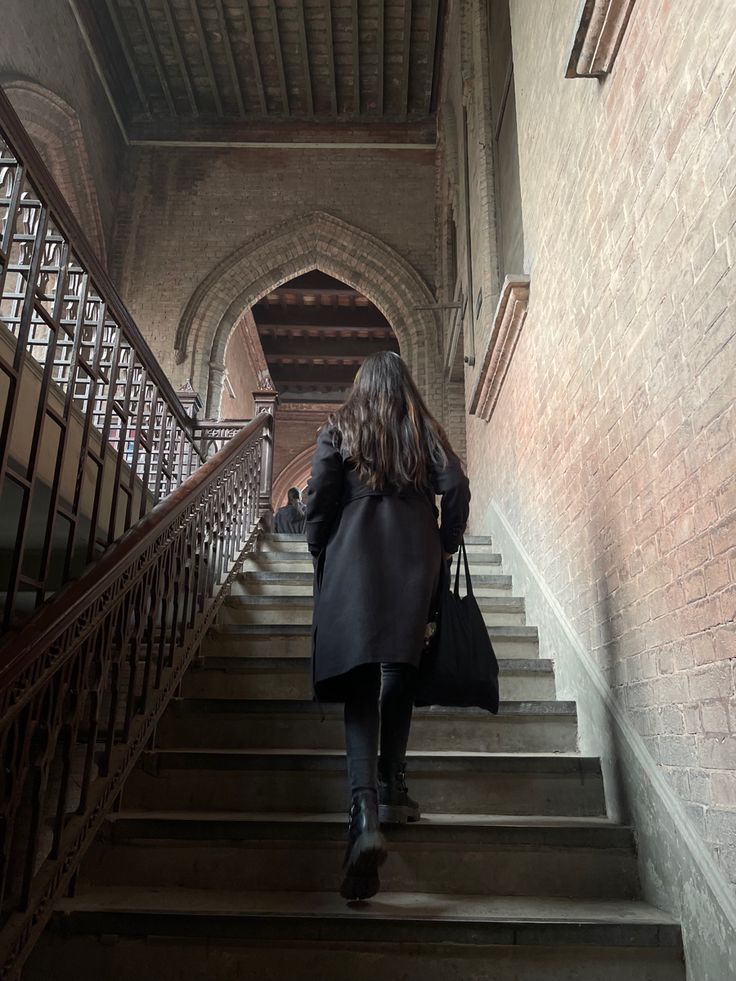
x=366, y=849
x=395, y=806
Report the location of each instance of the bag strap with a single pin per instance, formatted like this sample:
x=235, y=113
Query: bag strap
x=468, y=581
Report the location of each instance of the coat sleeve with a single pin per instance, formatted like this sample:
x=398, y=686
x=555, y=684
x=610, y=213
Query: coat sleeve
x=451, y=483
x=324, y=491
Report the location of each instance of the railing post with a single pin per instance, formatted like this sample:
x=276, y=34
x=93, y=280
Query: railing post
x=265, y=401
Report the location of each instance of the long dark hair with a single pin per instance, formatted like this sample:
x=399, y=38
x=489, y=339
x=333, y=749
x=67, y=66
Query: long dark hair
x=385, y=428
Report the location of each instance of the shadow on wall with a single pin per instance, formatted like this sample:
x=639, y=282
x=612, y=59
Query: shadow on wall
x=294, y=474
x=54, y=127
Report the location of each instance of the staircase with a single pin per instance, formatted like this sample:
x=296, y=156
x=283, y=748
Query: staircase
x=224, y=860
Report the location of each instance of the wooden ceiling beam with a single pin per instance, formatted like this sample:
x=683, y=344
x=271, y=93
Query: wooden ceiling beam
x=305, y=54
x=381, y=52
x=253, y=48
x=437, y=27
x=128, y=54
x=279, y=56
x=155, y=56
x=176, y=44
x=224, y=31
x=331, y=68
x=321, y=330
x=206, y=55
x=406, y=62
x=356, y=59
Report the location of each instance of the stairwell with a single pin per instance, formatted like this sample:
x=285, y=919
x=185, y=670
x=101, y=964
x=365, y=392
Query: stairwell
x=223, y=861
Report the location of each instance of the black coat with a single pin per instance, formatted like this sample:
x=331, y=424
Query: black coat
x=377, y=564
x=290, y=520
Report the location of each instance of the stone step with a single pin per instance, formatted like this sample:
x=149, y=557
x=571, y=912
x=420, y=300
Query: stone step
x=501, y=611
x=291, y=677
x=301, y=562
x=309, y=781
x=466, y=855
x=171, y=934
x=295, y=543
x=264, y=640
x=301, y=584
x=520, y=727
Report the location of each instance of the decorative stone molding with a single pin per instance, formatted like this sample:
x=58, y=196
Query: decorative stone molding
x=506, y=327
x=294, y=474
x=601, y=26
x=313, y=241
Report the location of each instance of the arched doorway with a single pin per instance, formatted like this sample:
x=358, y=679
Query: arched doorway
x=317, y=241
x=312, y=333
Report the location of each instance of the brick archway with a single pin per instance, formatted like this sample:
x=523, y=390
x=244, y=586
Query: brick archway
x=294, y=474
x=313, y=241
x=57, y=132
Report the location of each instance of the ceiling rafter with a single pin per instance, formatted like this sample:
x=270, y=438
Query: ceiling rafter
x=229, y=56
x=206, y=56
x=125, y=45
x=331, y=68
x=279, y=55
x=406, y=60
x=356, y=59
x=381, y=53
x=156, y=56
x=437, y=17
x=176, y=44
x=305, y=49
x=253, y=48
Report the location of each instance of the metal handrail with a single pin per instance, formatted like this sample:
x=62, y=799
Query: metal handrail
x=83, y=685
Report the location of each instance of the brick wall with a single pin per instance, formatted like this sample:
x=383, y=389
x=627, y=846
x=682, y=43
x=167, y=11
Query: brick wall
x=184, y=211
x=611, y=448
x=45, y=47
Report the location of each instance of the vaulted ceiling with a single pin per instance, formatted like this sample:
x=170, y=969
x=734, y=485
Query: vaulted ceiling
x=316, y=332
x=198, y=69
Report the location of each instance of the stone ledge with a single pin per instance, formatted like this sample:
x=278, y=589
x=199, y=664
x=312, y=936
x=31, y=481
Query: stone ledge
x=507, y=323
x=601, y=26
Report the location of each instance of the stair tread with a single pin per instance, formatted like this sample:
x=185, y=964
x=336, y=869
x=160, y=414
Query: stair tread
x=533, y=821
x=444, y=829
x=279, y=662
x=489, y=603
x=435, y=907
x=301, y=706
x=276, y=629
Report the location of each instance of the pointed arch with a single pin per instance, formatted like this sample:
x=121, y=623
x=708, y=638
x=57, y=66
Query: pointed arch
x=294, y=474
x=54, y=127
x=312, y=241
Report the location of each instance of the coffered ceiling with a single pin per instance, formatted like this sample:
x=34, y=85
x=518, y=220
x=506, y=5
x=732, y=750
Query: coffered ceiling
x=316, y=332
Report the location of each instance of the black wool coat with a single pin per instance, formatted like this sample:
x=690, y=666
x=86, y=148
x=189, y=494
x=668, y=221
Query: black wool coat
x=378, y=556
x=289, y=520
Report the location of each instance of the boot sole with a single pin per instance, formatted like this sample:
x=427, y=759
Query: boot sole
x=396, y=814
x=361, y=879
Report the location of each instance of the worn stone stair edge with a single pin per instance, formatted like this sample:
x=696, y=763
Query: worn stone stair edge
x=491, y=604
x=277, y=536
x=252, y=664
x=305, y=629
x=541, y=708
x=372, y=928
x=551, y=764
x=258, y=575
x=274, y=555
x=128, y=827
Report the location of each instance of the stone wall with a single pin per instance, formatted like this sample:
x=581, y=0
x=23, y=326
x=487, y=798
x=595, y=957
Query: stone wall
x=610, y=452
x=43, y=56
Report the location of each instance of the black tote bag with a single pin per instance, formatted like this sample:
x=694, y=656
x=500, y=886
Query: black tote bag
x=459, y=666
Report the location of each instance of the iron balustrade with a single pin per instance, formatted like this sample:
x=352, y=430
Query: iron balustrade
x=92, y=434
x=83, y=684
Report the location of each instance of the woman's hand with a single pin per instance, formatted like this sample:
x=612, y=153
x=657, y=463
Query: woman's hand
x=449, y=556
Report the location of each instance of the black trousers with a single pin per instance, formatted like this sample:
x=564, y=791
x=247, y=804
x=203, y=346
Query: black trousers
x=378, y=705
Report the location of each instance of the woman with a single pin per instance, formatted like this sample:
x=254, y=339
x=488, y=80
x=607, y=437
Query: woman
x=372, y=529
